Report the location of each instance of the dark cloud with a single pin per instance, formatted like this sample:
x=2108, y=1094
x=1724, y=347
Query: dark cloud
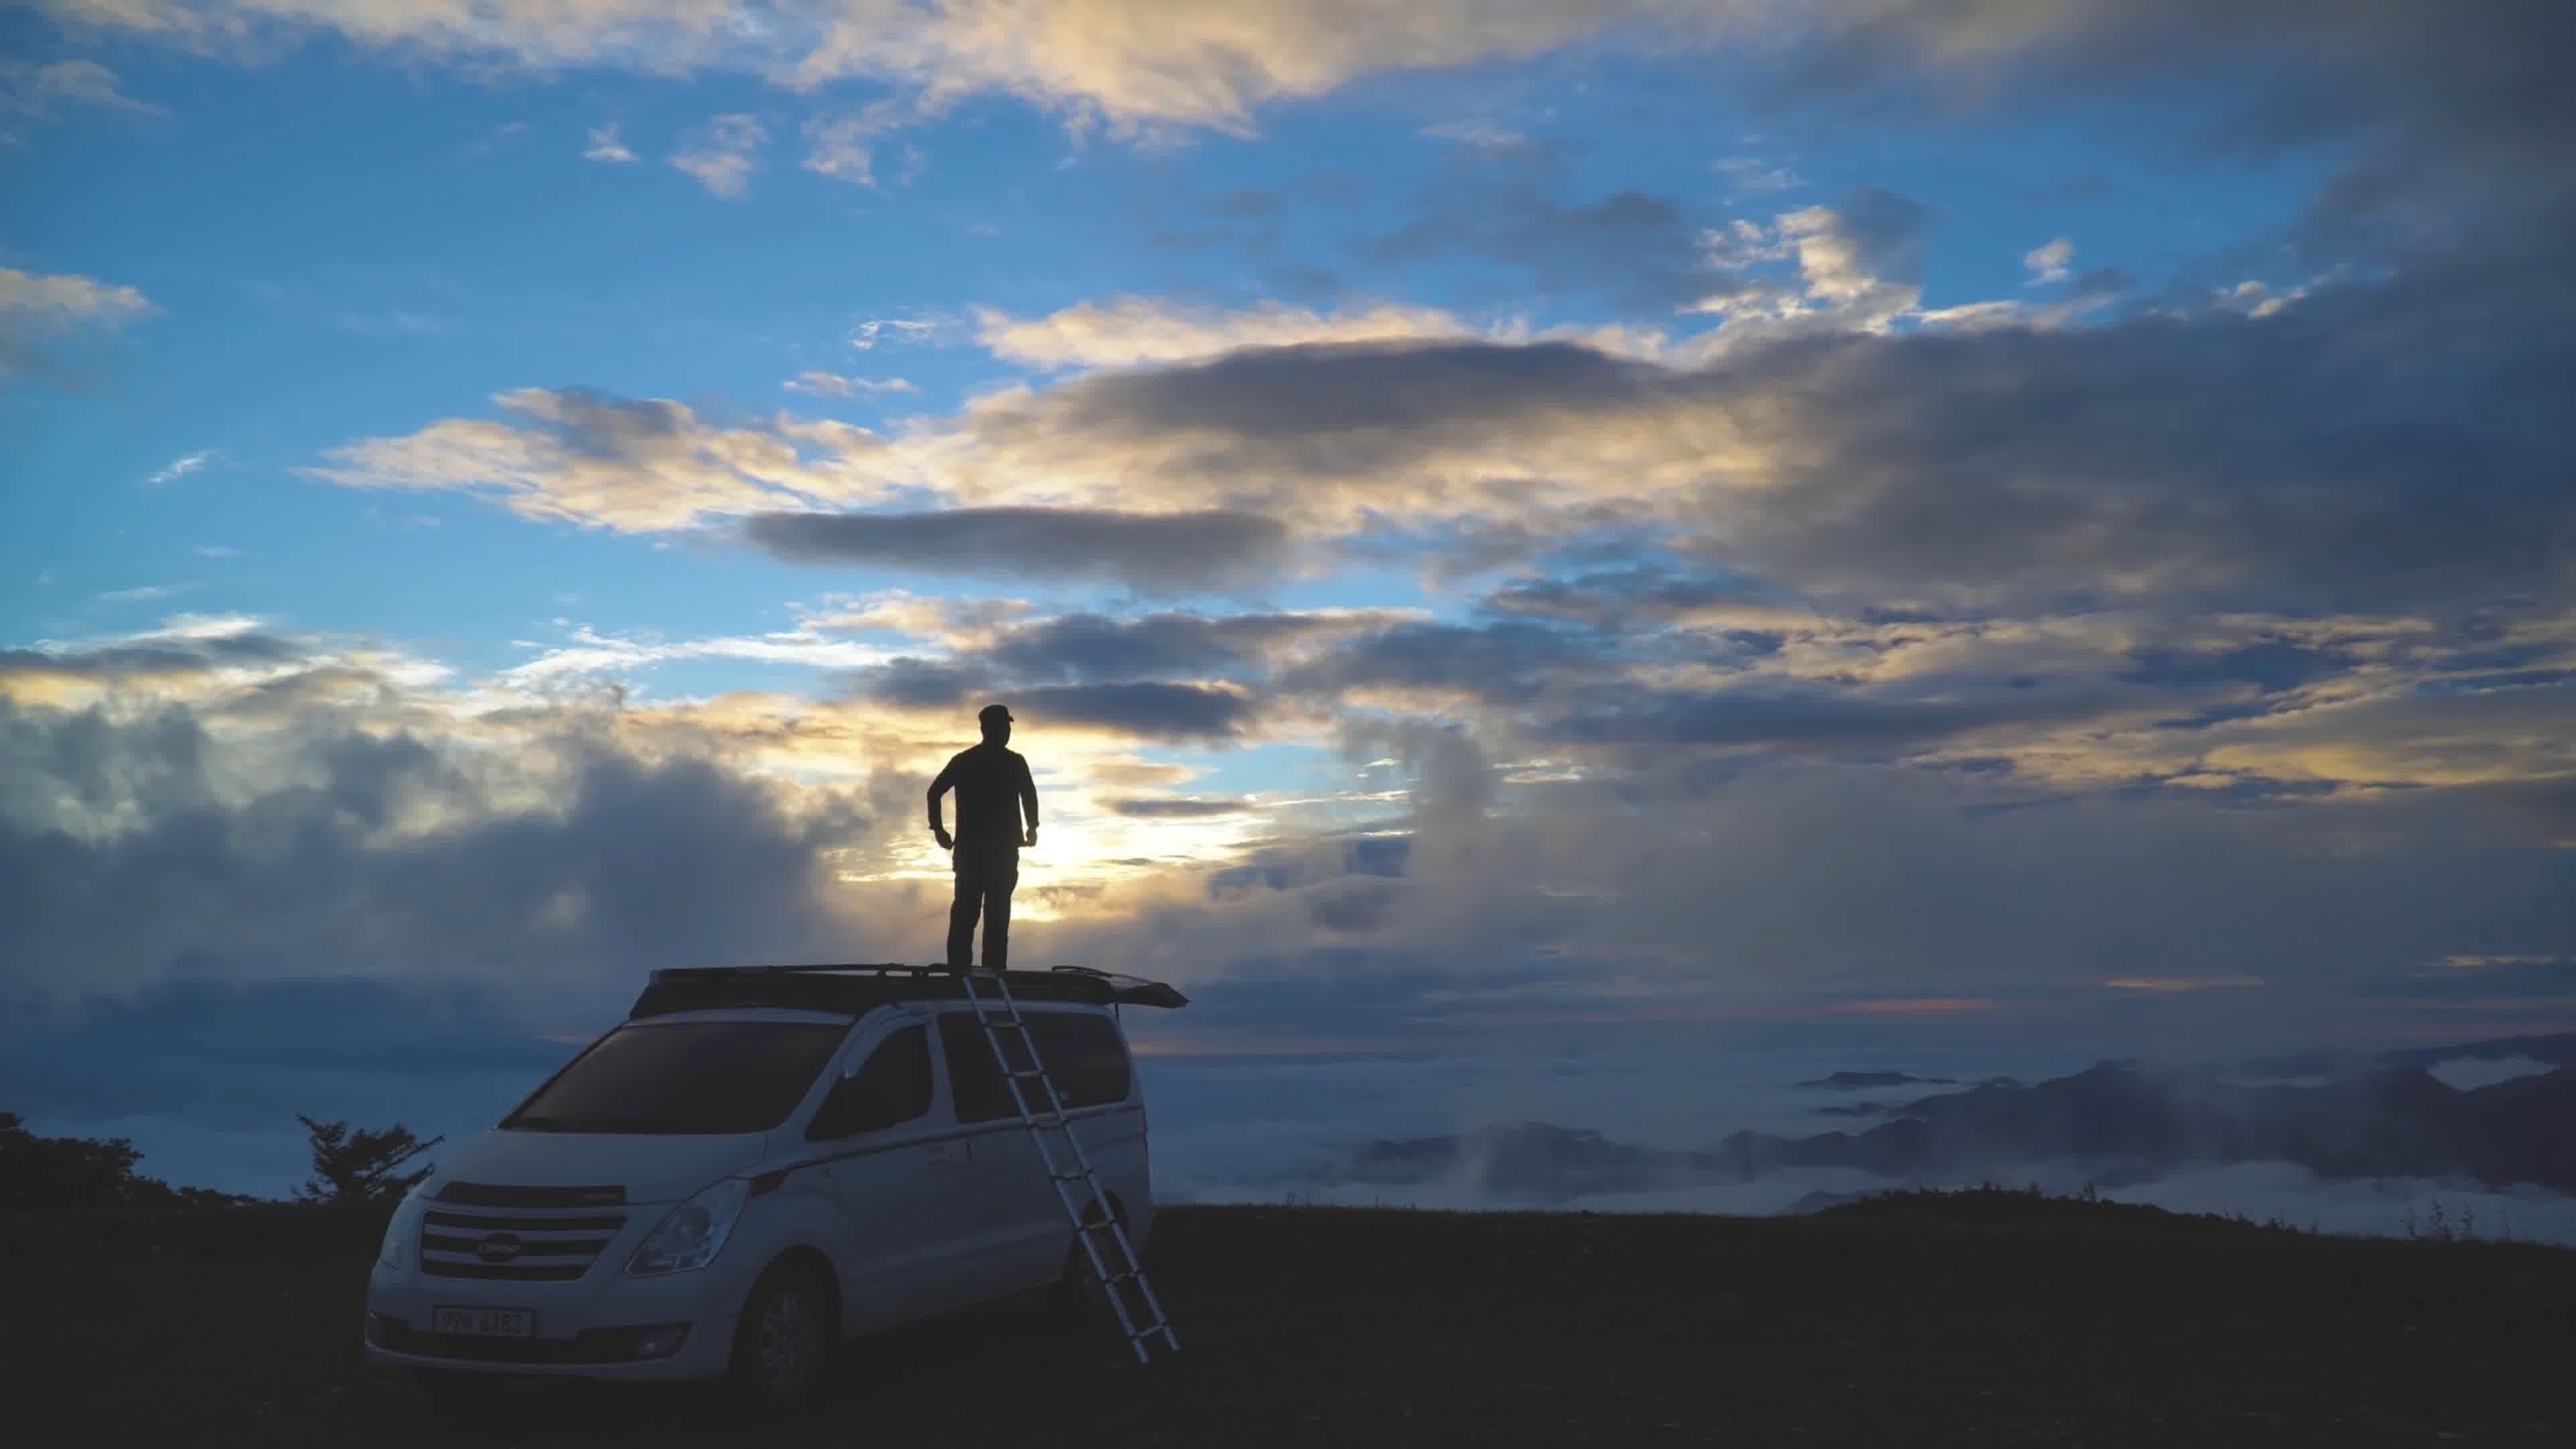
x=1618, y=600
x=1174, y=807
x=1396, y=397
x=1512, y=662
x=1150, y=552
x=2451, y=103
x=627, y=866
x=1149, y=710
x=2369, y=446
x=177, y=655
x=1885, y=232
x=1816, y=719
x=1630, y=249
x=1096, y=647
x=2375, y=444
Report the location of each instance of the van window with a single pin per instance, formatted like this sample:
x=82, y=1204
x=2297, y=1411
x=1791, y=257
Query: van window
x=1084, y=1055
x=663, y=1078
x=890, y=1088
x=1082, y=1052
x=973, y=1081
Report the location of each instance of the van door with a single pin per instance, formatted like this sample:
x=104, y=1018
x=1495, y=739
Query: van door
x=1018, y=1218
x=895, y=1166
x=1088, y=1064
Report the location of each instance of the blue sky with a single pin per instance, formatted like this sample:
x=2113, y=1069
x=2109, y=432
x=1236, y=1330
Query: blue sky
x=2048, y=519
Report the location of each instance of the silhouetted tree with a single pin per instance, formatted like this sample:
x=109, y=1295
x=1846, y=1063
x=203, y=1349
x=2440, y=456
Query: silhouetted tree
x=356, y=1168
x=59, y=1179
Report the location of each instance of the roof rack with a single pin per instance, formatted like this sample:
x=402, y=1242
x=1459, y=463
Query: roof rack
x=856, y=986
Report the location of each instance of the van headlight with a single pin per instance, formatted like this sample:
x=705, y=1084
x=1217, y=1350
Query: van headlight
x=403, y=1231
x=694, y=1232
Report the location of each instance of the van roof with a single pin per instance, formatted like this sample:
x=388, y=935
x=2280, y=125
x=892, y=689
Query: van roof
x=853, y=989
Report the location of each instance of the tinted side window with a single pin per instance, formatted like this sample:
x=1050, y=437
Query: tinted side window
x=890, y=1088
x=1084, y=1055
x=973, y=1079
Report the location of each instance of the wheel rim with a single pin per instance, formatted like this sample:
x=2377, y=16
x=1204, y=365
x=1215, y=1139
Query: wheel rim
x=787, y=1341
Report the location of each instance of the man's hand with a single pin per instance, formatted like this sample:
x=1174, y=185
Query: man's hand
x=1033, y=836
x=940, y=834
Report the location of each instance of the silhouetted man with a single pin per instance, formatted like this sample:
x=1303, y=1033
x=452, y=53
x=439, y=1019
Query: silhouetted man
x=993, y=788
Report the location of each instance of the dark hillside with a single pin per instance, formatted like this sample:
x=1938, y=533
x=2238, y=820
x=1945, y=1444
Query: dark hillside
x=1889, y=1323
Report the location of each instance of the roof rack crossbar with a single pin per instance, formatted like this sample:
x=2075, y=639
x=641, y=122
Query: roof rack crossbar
x=1116, y=987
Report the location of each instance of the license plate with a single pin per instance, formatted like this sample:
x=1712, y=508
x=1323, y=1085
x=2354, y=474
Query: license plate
x=484, y=1322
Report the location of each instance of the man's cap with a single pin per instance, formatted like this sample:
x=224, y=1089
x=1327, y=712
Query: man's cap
x=993, y=712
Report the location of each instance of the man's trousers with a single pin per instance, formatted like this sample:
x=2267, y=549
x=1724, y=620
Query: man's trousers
x=986, y=872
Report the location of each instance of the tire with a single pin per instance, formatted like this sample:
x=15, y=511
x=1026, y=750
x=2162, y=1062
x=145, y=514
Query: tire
x=781, y=1341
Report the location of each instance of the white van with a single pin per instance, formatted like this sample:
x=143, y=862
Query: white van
x=757, y=1163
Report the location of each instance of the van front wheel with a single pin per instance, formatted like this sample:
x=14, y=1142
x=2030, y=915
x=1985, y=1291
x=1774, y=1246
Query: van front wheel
x=779, y=1343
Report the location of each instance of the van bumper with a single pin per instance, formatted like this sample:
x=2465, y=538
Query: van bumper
x=617, y=1329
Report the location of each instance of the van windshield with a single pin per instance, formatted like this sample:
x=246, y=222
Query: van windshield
x=675, y=1077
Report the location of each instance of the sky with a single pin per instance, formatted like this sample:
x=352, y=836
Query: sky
x=1624, y=528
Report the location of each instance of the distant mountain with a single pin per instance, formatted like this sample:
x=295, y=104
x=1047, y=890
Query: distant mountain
x=1847, y=1081
x=2121, y=1121
x=1856, y=1109
x=2557, y=1049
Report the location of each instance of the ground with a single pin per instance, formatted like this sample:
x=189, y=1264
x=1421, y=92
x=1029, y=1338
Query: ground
x=1347, y=1328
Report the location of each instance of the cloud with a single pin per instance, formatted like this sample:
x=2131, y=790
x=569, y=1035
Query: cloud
x=1815, y=719
x=35, y=306
x=1474, y=133
x=604, y=146
x=868, y=333
x=2048, y=264
x=632, y=465
x=1630, y=249
x=2454, y=97
x=827, y=384
x=1843, y=446
x=722, y=155
x=30, y=92
x=1175, y=807
x=1755, y=175
x=1093, y=60
x=588, y=654
x=635, y=864
x=844, y=146
x=1097, y=647
x=1152, y=552
x=1129, y=330
x=146, y=594
x=180, y=468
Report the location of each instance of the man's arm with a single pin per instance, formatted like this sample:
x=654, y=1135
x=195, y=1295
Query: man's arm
x=939, y=787
x=1029, y=800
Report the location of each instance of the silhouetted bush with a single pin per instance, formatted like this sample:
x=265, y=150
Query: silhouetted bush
x=77, y=1197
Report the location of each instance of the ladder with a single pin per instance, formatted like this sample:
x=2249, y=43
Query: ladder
x=1043, y=1113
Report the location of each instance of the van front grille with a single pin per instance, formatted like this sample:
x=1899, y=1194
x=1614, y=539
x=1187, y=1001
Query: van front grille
x=521, y=1244
x=500, y=1195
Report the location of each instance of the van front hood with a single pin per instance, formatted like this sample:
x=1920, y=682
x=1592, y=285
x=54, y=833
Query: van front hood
x=651, y=1169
